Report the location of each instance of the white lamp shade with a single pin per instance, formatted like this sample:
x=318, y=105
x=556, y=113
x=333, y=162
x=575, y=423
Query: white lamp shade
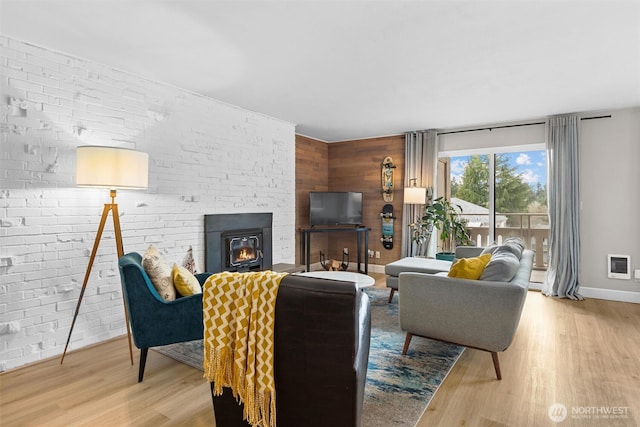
x=415, y=195
x=112, y=167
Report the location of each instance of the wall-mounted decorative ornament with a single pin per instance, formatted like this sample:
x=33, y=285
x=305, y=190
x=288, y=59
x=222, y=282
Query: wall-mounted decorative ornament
x=20, y=130
x=78, y=130
x=157, y=115
x=191, y=198
x=53, y=167
x=18, y=107
x=387, y=179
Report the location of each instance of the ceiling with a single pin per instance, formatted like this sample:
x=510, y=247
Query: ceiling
x=344, y=70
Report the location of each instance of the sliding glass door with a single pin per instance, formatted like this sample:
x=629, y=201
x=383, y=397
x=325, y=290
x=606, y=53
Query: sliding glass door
x=502, y=194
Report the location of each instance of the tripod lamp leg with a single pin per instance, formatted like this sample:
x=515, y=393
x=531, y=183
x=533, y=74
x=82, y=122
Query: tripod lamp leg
x=120, y=250
x=96, y=243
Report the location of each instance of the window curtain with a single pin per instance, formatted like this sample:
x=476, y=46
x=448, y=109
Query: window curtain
x=420, y=163
x=564, y=208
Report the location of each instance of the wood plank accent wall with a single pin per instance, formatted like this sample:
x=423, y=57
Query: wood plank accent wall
x=312, y=161
x=357, y=166
x=349, y=166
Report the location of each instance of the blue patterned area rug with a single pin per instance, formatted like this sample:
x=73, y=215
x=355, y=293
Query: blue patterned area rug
x=398, y=387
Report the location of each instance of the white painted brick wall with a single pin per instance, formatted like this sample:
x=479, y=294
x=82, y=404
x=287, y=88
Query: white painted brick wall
x=205, y=157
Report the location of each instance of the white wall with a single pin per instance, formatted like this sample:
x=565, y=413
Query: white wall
x=610, y=196
x=205, y=157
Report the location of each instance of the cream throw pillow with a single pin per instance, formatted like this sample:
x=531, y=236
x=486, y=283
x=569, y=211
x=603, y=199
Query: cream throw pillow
x=159, y=272
x=186, y=283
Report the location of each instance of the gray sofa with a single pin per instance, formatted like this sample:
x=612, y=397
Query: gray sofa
x=480, y=314
x=413, y=264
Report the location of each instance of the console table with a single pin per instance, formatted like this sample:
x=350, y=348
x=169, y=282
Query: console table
x=360, y=232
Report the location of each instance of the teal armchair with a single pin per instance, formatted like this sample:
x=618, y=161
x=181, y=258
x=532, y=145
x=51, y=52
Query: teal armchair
x=155, y=322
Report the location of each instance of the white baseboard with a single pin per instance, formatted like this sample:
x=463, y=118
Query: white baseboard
x=535, y=286
x=600, y=293
x=610, y=294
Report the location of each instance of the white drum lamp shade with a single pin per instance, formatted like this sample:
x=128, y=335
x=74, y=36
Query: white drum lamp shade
x=415, y=195
x=112, y=167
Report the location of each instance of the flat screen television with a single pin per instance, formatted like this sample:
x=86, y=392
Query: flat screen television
x=335, y=208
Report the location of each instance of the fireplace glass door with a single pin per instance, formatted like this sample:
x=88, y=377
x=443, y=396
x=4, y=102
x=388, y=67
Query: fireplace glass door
x=243, y=250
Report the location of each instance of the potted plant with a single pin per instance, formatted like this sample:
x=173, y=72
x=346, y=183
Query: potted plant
x=445, y=216
x=421, y=235
x=421, y=230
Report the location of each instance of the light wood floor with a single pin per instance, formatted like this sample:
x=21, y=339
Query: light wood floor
x=584, y=355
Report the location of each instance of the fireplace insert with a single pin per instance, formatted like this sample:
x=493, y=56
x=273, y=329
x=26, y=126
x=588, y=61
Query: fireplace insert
x=238, y=242
x=243, y=251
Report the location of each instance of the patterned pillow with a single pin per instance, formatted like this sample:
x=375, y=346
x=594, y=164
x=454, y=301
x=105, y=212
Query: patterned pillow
x=159, y=272
x=186, y=283
x=189, y=263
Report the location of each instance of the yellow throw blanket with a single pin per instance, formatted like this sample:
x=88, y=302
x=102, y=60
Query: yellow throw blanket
x=239, y=318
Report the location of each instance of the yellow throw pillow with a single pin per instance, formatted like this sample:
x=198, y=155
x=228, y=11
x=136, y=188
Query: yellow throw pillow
x=186, y=283
x=469, y=268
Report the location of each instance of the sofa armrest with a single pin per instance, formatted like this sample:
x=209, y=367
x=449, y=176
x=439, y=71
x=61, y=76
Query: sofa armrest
x=472, y=313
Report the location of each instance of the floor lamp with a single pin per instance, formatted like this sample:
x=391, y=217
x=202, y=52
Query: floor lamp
x=414, y=195
x=113, y=168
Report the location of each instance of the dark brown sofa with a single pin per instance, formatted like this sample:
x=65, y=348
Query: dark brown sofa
x=322, y=334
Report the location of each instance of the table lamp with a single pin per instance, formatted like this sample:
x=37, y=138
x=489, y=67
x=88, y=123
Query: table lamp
x=113, y=168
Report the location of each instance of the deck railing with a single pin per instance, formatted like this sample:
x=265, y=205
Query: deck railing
x=533, y=228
